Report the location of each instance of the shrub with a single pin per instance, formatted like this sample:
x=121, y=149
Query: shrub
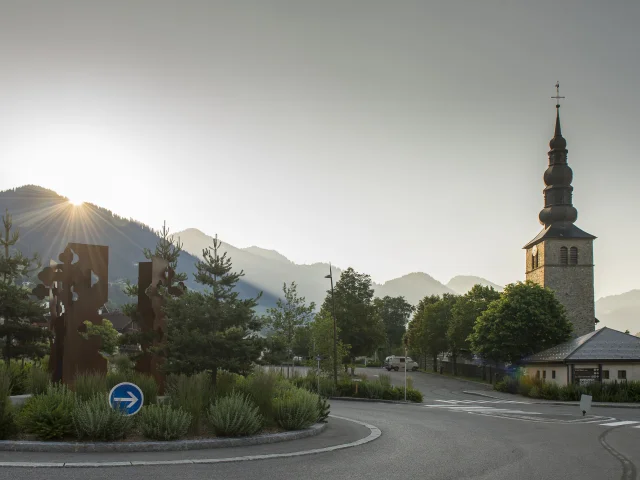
x=123, y=364
x=226, y=382
x=161, y=422
x=114, y=378
x=49, y=415
x=507, y=385
x=323, y=409
x=88, y=385
x=96, y=420
x=38, y=381
x=193, y=394
x=148, y=386
x=534, y=392
x=18, y=376
x=414, y=395
x=234, y=416
x=550, y=391
x=7, y=414
x=296, y=409
x=385, y=379
x=260, y=387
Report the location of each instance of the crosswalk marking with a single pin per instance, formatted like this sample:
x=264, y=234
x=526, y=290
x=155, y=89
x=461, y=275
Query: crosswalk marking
x=620, y=423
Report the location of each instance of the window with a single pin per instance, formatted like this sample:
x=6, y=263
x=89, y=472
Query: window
x=622, y=374
x=573, y=256
x=538, y=374
x=544, y=374
x=564, y=256
x=534, y=261
x=605, y=374
x=553, y=374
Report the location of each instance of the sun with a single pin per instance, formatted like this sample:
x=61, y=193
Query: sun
x=76, y=202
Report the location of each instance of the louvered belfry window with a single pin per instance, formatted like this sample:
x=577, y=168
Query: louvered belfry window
x=573, y=256
x=564, y=256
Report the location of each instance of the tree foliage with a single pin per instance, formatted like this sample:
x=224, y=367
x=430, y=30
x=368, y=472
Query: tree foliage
x=395, y=313
x=466, y=310
x=356, y=316
x=525, y=319
x=215, y=328
x=288, y=316
x=20, y=314
x=107, y=334
x=322, y=341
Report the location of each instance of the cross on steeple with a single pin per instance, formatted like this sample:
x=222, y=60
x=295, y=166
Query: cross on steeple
x=557, y=97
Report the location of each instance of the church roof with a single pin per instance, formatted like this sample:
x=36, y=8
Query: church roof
x=559, y=230
x=601, y=345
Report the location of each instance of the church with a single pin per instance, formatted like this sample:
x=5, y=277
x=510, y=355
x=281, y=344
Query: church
x=560, y=257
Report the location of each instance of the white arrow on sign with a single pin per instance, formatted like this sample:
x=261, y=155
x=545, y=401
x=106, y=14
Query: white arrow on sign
x=132, y=400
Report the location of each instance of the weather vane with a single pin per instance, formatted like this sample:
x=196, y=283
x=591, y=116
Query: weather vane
x=557, y=97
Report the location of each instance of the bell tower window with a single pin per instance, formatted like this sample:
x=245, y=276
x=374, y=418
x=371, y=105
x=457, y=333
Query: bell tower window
x=564, y=256
x=573, y=256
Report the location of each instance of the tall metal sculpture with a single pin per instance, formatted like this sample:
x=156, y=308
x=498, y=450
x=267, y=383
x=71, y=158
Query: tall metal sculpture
x=76, y=290
x=155, y=281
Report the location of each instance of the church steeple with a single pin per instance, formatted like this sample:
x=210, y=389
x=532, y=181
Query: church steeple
x=558, y=193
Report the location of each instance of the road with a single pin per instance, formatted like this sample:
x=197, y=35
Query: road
x=451, y=435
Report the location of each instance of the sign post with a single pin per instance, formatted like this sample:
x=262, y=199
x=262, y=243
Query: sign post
x=126, y=397
x=318, y=358
x=405, y=374
x=585, y=404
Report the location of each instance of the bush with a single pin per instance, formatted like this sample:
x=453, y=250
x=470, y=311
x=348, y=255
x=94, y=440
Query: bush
x=507, y=385
x=114, y=378
x=414, y=395
x=193, y=395
x=49, y=415
x=7, y=414
x=385, y=379
x=161, y=422
x=260, y=387
x=96, y=420
x=18, y=376
x=234, y=416
x=148, y=386
x=296, y=409
x=534, y=392
x=323, y=409
x=88, y=385
x=226, y=383
x=123, y=364
x=38, y=381
x=550, y=391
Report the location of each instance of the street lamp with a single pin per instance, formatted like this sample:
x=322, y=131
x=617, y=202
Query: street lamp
x=335, y=330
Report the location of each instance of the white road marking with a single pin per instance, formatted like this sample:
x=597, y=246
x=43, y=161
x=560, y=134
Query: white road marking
x=618, y=424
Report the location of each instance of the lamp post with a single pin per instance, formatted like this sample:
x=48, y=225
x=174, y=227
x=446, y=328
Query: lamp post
x=335, y=330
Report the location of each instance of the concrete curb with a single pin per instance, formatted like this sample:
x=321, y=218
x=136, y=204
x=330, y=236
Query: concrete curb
x=551, y=402
x=374, y=433
x=152, y=446
x=374, y=400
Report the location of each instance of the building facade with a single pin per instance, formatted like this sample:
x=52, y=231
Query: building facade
x=560, y=257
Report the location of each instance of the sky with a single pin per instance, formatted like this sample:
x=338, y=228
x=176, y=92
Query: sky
x=392, y=137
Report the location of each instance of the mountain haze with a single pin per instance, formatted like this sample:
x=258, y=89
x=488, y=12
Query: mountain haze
x=620, y=312
x=461, y=284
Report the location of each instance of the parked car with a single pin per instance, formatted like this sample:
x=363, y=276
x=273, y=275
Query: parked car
x=398, y=363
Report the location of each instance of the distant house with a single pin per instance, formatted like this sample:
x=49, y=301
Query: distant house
x=120, y=321
x=604, y=355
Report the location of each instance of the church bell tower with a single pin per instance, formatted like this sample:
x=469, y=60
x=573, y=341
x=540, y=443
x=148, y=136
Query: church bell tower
x=561, y=255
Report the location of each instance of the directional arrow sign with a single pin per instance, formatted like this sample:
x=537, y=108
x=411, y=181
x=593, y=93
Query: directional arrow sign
x=126, y=397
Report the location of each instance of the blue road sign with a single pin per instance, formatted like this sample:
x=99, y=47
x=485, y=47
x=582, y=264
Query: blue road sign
x=126, y=397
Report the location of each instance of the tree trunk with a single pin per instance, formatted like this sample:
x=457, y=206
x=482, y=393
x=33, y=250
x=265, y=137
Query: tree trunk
x=435, y=362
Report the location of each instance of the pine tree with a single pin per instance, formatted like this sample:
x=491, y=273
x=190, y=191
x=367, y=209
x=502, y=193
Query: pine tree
x=18, y=312
x=214, y=329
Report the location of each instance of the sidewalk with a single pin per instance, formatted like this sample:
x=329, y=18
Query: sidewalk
x=507, y=396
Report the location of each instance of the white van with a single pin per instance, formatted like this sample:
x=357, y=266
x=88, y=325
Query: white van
x=398, y=363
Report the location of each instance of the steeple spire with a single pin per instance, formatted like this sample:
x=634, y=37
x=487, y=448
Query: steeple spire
x=558, y=203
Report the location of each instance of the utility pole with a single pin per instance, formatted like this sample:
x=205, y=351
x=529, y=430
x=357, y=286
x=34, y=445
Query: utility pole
x=335, y=330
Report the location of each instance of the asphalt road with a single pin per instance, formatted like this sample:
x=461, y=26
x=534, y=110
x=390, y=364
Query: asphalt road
x=451, y=435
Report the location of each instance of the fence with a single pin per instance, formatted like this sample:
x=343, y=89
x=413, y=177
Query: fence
x=487, y=373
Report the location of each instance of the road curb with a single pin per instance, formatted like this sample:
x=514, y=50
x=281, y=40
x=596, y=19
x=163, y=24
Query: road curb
x=154, y=446
x=374, y=433
x=373, y=400
x=550, y=402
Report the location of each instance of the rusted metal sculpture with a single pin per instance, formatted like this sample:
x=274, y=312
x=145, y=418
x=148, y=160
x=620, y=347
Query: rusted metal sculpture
x=155, y=281
x=76, y=290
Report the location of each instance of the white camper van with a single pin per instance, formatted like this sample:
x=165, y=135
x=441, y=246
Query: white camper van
x=398, y=363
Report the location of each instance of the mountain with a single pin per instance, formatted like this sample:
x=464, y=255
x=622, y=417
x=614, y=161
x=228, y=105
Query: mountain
x=414, y=287
x=48, y=222
x=461, y=284
x=620, y=312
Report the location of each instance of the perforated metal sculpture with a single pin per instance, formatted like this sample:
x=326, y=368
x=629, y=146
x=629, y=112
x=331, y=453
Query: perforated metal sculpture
x=155, y=281
x=76, y=290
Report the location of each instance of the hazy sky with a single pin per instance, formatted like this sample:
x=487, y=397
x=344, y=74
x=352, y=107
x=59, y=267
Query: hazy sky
x=391, y=136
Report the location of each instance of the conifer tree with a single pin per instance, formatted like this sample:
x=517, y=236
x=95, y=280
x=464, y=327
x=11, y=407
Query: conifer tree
x=214, y=329
x=18, y=311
